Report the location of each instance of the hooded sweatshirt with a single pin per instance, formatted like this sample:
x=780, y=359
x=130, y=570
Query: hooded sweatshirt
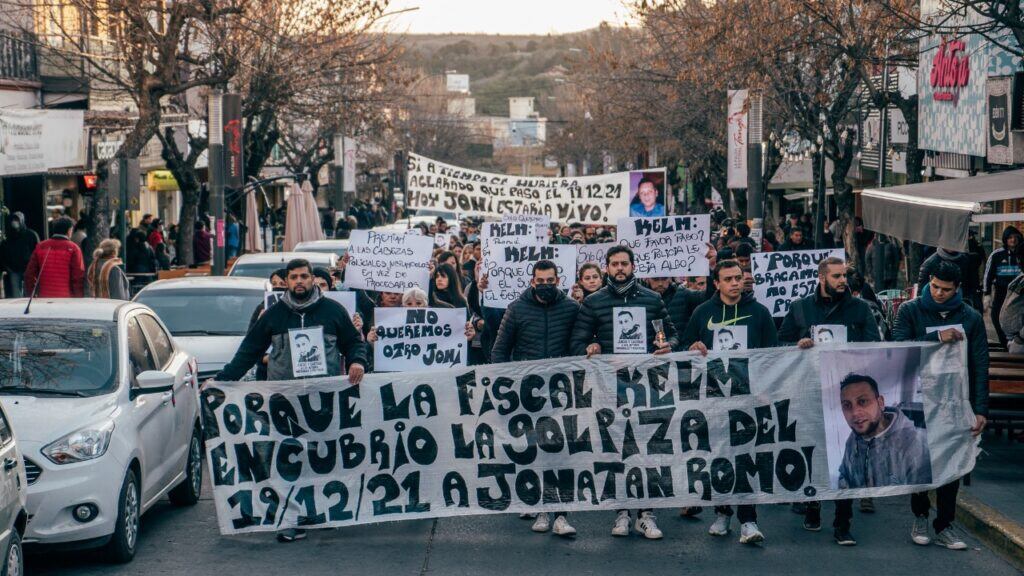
x=272, y=329
x=715, y=314
x=897, y=457
x=968, y=275
x=1003, y=265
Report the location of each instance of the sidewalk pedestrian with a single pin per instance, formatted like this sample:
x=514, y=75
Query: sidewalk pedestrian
x=56, y=265
x=15, y=254
x=1003, y=265
x=105, y=277
x=202, y=248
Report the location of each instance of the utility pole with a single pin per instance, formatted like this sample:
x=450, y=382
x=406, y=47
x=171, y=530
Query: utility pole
x=883, y=121
x=215, y=136
x=755, y=170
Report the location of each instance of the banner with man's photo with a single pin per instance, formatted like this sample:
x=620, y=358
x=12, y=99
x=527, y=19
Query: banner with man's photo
x=577, y=434
x=599, y=199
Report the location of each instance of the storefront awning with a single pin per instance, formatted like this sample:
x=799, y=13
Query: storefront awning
x=937, y=213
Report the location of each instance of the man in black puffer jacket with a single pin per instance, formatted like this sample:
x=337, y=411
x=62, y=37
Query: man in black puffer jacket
x=1002, y=267
x=595, y=334
x=536, y=327
x=969, y=285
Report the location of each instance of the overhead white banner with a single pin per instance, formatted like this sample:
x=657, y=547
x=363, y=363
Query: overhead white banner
x=33, y=141
x=588, y=199
x=388, y=261
x=419, y=338
x=509, y=270
x=667, y=247
x=736, y=174
x=572, y=434
x=781, y=278
x=348, y=172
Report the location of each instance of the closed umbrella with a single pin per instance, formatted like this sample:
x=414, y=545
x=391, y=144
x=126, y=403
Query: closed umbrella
x=301, y=225
x=312, y=212
x=253, y=236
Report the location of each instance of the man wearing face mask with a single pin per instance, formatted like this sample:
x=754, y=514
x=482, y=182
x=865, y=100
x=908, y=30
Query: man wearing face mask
x=537, y=326
x=303, y=313
x=15, y=253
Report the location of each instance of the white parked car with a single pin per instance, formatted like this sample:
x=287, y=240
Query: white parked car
x=107, y=413
x=338, y=246
x=263, y=264
x=207, y=315
x=13, y=487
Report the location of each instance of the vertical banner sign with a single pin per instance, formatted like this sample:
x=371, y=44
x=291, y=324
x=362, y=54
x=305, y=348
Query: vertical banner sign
x=388, y=261
x=234, y=148
x=737, y=134
x=348, y=176
x=586, y=199
x=667, y=247
x=509, y=269
x=576, y=434
x=1000, y=136
x=419, y=338
x=781, y=278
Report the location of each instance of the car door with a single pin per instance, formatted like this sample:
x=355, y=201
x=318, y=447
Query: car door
x=154, y=415
x=10, y=478
x=184, y=401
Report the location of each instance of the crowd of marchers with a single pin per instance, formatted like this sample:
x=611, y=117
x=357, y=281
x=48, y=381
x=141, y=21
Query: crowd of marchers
x=677, y=314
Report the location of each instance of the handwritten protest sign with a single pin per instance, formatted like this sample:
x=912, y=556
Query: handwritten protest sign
x=781, y=278
x=593, y=253
x=508, y=234
x=542, y=222
x=577, y=434
x=388, y=261
x=668, y=246
x=598, y=199
x=346, y=298
x=418, y=338
x=510, y=268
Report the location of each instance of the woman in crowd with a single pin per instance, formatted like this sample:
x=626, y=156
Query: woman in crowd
x=105, y=277
x=589, y=279
x=446, y=288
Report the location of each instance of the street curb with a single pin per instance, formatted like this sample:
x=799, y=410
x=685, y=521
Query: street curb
x=1002, y=534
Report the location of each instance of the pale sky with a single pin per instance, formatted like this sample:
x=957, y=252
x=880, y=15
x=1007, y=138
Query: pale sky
x=505, y=16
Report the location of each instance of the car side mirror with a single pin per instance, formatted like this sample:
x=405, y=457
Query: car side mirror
x=153, y=382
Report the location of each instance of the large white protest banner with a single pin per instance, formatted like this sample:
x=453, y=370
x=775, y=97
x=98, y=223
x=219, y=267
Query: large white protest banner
x=509, y=269
x=736, y=171
x=668, y=246
x=578, y=434
x=598, y=199
x=419, y=338
x=388, y=261
x=781, y=278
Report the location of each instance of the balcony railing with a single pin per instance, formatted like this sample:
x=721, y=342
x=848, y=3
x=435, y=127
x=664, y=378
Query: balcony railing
x=18, y=57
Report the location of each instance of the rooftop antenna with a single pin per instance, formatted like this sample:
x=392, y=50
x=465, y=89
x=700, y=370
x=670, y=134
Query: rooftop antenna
x=35, y=289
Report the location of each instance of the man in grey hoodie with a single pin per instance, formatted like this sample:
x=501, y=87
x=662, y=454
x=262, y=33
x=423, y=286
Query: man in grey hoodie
x=884, y=447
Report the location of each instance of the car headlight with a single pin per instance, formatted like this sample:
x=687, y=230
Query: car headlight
x=80, y=445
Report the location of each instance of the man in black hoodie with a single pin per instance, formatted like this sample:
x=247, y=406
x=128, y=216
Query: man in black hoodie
x=831, y=305
x=594, y=333
x=968, y=275
x=1002, y=267
x=536, y=327
x=730, y=307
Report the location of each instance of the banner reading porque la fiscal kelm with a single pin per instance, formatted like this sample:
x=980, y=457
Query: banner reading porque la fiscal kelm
x=576, y=434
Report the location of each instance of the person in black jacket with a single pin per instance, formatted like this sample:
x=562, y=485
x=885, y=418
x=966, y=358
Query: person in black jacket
x=536, y=327
x=15, y=253
x=968, y=280
x=831, y=304
x=730, y=307
x=1002, y=267
x=940, y=315
x=594, y=333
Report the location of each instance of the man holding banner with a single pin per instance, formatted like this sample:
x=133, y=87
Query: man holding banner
x=602, y=328
x=845, y=318
x=749, y=324
x=537, y=326
x=939, y=314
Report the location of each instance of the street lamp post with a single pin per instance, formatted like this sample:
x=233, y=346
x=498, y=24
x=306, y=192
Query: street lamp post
x=215, y=136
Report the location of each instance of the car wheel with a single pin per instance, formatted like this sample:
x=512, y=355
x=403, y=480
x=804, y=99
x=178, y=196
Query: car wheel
x=14, y=561
x=125, y=538
x=187, y=493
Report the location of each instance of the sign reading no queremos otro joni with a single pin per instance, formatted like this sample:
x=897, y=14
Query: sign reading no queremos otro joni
x=577, y=434
x=599, y=199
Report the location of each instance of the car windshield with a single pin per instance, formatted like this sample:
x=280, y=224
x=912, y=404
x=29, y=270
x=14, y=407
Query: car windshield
x=204, y=312
x=57, y=357
x=256, y=269
x=322, y=249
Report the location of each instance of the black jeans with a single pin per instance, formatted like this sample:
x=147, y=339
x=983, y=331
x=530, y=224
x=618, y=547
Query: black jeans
x=844, y=512
x=744, y=512
x=945, y=505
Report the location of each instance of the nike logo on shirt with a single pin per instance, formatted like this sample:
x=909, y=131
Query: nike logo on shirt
x=716, y=325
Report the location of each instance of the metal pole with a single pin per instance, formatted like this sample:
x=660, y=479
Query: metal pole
x=883, y=121
x=215, y=134
x=122, y=206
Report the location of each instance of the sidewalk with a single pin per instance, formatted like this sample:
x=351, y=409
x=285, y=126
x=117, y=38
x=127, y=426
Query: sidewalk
x=993, y=505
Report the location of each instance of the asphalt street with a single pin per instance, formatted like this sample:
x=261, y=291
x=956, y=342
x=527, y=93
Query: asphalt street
x=186, y=541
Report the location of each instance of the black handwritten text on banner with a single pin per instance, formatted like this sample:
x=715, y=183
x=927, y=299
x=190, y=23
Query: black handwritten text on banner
x=577, y=434
x=781, y=278
x=667, y=246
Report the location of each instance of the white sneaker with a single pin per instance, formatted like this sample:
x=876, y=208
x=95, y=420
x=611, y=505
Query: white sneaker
x=750, y=534
x=950, y=538
x=919, y=532
x=561, y=527
x=720, y=526
x=647, y=525
x=621, y=527
x=542, y=523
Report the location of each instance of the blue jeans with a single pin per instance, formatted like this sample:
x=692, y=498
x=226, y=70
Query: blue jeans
x=14, y=284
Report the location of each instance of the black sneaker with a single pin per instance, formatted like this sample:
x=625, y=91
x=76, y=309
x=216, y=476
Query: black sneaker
x=867, y=505
x=690, y=511
x=843, y=537
x=799, y=508
x=812, y=520
x=291, y=535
